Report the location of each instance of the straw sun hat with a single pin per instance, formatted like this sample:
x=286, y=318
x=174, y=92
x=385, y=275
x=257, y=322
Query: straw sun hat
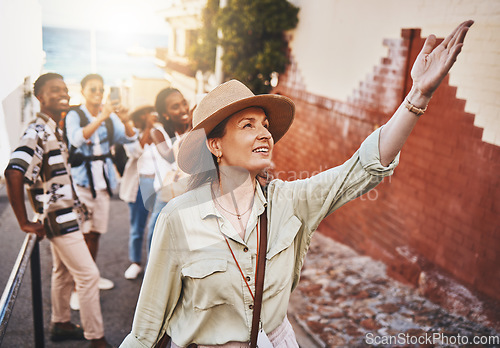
x=222, y=102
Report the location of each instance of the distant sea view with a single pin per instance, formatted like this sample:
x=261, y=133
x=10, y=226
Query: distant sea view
x=68, y=52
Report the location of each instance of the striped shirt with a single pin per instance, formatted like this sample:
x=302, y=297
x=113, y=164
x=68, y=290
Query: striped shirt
x=42, y=157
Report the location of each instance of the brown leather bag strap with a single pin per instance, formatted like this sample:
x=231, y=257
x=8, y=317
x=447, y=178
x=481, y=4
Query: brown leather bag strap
x=259, y=279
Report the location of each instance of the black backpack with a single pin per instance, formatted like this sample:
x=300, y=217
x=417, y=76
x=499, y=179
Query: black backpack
x=76, y=157
x=110, y=130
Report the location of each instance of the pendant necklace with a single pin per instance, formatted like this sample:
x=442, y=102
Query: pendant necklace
x=230, y=212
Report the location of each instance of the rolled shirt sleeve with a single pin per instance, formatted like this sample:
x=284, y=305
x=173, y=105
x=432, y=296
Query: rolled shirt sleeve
x=315, y=198
x=73, y=129
x=27, y=157
x=119, y=128
x=311, y=200
x=369, y=156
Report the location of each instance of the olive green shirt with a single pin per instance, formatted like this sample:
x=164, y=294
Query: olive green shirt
x=193, y=288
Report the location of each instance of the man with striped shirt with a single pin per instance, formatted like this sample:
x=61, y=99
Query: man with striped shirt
x=40, y=162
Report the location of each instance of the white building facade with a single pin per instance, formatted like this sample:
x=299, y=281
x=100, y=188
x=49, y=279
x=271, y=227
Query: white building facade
x=20, y=64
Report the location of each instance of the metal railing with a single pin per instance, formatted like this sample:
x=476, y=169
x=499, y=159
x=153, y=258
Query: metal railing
x=29, y=251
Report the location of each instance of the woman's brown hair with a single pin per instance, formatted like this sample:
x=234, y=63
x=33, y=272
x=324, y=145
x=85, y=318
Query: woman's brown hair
x=212, y=175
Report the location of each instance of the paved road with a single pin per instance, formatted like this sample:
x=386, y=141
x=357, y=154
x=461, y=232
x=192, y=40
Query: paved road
x=345, y=299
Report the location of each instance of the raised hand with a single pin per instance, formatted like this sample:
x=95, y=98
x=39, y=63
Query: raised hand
x=122, y=113
x=107, y=109
x=434, y=63
x=430, y=68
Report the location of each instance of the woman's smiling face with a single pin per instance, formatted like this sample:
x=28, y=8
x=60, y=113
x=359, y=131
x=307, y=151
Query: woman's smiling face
x=177, y=109
x=247, y=142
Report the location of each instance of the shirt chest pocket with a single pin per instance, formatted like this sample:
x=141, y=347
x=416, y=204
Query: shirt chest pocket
x=281, y=258
x=207, y=284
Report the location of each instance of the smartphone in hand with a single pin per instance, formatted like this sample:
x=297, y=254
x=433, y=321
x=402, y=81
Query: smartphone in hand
x=114, y=95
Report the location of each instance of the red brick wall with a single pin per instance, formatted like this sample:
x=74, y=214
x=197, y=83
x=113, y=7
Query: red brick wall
x=440, y=209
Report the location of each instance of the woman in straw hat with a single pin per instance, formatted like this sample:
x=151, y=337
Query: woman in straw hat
x=201, y=279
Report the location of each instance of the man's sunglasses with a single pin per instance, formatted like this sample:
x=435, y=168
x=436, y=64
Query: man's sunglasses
x=95, y=89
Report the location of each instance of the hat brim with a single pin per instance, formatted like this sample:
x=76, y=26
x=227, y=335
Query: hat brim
x=279, y=110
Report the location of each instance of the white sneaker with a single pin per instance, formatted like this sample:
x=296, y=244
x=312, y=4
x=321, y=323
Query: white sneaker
x=105, y=284
x=74, y=303
x=133, y=271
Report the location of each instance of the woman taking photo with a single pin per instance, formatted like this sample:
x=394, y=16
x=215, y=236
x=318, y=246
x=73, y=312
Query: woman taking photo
x=201, y=279
x=174, y=121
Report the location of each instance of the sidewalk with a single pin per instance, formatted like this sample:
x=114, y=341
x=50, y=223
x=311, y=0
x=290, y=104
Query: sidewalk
x=345, y=299
x=117, y=305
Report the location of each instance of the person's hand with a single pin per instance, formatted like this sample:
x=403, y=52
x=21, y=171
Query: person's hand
x=107, y=109
x=117, y=108
x=34, y=227
x=122, y=113
x=434, y=63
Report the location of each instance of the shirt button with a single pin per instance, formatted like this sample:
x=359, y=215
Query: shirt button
x=251, y=306
x=245, y=249
x=248, y=278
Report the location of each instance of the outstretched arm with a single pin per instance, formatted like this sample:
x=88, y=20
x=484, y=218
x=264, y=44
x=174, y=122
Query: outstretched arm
x=430, y=68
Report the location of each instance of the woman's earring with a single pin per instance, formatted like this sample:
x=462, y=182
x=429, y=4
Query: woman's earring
x=218, y=159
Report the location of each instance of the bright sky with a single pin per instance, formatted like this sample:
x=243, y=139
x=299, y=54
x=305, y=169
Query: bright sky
x=116, y=15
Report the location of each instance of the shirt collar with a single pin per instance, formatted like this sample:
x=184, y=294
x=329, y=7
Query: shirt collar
x=260, y=198
x=86, y=111
x=205, y=202
x=48, y=120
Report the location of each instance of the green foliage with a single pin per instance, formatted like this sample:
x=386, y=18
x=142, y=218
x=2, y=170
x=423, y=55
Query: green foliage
x=202, y=52
x=253, y=39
